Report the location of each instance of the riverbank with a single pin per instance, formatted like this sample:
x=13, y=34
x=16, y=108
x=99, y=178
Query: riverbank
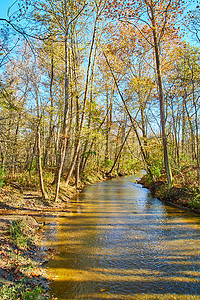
x=115, y=241
x=183, y=195
x=21, y=257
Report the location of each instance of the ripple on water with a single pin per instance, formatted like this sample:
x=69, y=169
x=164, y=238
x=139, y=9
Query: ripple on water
x=118, y=242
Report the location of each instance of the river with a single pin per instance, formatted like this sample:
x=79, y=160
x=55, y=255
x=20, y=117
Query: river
x=116, y=241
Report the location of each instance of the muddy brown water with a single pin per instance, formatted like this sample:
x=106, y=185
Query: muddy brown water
x=116, y=241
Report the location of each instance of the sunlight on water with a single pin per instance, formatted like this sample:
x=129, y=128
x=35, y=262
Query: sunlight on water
x=115, y=241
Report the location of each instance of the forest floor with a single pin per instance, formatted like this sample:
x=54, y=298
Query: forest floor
x=21, y=258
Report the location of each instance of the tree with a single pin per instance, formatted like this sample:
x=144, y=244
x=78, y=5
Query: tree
x=154, y=19
x=99, y=6
x=183, y=90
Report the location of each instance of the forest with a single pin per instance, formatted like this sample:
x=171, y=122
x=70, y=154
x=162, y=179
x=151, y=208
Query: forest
x=96, y=89
x=99, y=87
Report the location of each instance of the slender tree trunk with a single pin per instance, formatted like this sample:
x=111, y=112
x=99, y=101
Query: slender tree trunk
x=77, y=171
x=119, y=153
x=87, y=139
x=175, y=135
x=93, y=141
x=14, y=156
x=161, y=100
x=197, y=137
x=63, y=137
x=183, y=128
x=51, y=126
x=107, y=126
x=2, y=157
x=44, y=195
x=77, y=148
x=144, y=156
x=32, y=157
x=192, y=135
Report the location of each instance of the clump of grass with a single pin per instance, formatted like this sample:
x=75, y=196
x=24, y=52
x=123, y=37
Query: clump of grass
x=22, y=291
x=17, y=234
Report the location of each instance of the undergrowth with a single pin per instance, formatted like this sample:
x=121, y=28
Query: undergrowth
x=22, y=291
x=20, y=282
x=17, y=234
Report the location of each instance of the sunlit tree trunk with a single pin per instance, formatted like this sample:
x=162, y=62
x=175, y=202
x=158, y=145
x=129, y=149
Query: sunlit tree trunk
x=63, y=137
x=44, y=195
x=51, y=126
x=77, y=147
x=161, y=100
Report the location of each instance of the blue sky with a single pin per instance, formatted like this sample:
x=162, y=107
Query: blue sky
x=4, y=5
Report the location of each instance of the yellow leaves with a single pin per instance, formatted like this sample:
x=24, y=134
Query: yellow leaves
x=141, y=84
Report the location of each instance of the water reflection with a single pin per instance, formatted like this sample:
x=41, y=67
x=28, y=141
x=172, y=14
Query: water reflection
x=115, y=241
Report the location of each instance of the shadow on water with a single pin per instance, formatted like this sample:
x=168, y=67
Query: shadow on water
x=118, y=242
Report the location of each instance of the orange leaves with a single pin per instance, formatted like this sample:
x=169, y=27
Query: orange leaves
x=34, y=273
x=166, y=14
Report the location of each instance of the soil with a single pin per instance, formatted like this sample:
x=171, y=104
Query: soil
x=17, y=262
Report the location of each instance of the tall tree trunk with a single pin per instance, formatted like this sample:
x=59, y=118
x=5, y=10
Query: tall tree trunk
x=44, y=195
x=183, y=128
x=107, y=126
x=197, y=133
x=192, y=135
x=175, y=135
x=63, y=137
x=29, y=164
x=77, y=171
x=51, y=126
x=87, y=139
x=161, y=100
x=77, y=148
x=14, y=156
x=144, y=156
